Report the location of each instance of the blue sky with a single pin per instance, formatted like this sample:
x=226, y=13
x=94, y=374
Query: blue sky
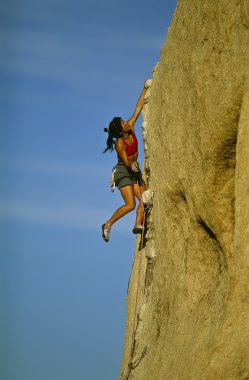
x=66, y=68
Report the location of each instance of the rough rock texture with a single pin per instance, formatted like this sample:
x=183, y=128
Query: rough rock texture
x=193, y=296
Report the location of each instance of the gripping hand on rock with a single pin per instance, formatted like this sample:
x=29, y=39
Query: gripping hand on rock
x=135, y=167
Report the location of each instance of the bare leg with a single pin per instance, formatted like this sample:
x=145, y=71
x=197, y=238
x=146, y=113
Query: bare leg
x=128, y=195
x=139, y=189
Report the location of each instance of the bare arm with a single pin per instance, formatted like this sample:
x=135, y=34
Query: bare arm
x=122, y=155
x=138, y=109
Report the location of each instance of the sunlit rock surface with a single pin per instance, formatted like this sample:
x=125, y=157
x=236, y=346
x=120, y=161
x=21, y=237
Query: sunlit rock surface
x=193, y=296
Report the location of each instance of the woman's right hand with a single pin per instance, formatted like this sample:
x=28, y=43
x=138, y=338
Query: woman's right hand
x=135, y=166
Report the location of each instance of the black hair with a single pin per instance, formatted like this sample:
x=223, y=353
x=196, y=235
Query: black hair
x=114, y=132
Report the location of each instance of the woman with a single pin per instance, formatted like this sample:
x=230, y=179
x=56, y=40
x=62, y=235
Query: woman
x=127, y=176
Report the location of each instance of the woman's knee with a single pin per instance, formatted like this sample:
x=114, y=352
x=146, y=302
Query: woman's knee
x=130, y=206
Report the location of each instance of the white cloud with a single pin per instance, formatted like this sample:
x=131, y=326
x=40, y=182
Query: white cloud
x=65, y=61
x=72, y=216
x=44, y=55
x=57, y=55
x=52, y=167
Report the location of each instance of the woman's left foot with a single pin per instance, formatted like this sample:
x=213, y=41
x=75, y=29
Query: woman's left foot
x=106, y=232
x=138, y=229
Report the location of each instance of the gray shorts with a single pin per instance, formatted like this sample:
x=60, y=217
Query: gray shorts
x=123, y=176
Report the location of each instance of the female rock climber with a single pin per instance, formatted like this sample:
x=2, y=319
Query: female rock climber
x=127, y=175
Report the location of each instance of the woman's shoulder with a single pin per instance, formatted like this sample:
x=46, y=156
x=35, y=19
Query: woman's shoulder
x=119, y=140
x=120, y=143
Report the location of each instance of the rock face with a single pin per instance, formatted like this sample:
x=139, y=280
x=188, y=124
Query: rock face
x=192, y=290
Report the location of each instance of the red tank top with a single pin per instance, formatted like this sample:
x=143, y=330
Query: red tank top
x=131, y=149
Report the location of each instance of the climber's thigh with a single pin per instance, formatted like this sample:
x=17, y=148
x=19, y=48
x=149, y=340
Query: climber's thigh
x=128, y=194
x=138, y=190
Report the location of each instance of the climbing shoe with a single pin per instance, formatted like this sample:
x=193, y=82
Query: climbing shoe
x=105, y=232
x=137, y=229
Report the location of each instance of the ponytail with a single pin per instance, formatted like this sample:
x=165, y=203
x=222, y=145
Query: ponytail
x=109, y=142
x=114, y=130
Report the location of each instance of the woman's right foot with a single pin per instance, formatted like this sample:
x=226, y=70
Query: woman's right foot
x=137, y=229
x=106, y=232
